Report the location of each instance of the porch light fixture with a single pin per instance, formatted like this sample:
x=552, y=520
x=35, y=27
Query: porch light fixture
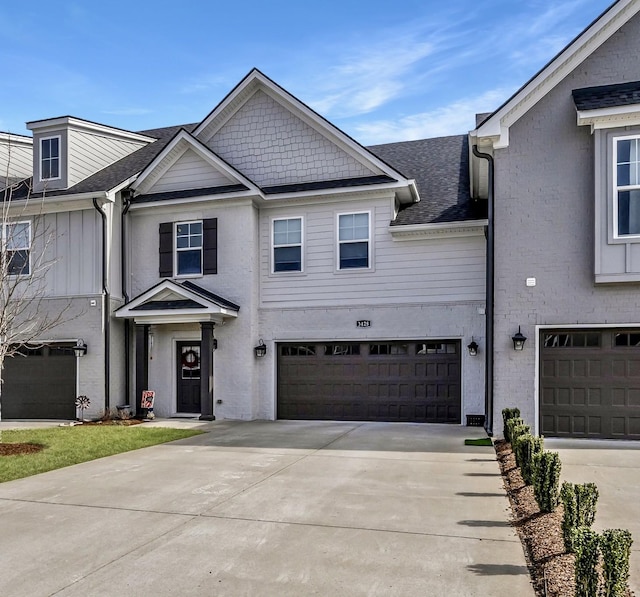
x=80, y=349
x=473, y=347
x=261, y=349
x=518, y=340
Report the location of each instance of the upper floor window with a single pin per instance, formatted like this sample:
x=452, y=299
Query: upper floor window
x=287, y=245
x=16, y=244
x=188, y=249
x=627, y=186
x=49, y=158
x=353, y=241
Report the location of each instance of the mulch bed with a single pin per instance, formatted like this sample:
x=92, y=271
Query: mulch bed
x=15, y=449
x=552, y=570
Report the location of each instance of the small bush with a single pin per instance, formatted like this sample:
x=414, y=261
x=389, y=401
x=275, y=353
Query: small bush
x=517, y=431
x=526, y=446
x=616, y=549
x=579, y=509
x=509, y=413
x=586, y=544
x=546, y=480
x=511, y=425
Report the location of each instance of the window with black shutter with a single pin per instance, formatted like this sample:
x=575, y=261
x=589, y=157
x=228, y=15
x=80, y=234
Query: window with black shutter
x=188, y=248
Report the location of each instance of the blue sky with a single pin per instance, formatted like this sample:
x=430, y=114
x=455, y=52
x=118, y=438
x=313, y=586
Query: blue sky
x=381, y=70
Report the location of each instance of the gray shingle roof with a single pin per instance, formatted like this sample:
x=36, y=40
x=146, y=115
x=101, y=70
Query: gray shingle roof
x=440, y=167
x=607, y=96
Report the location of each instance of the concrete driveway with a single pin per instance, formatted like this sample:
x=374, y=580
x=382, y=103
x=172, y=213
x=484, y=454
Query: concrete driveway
x=269, y=508
x=614, y=466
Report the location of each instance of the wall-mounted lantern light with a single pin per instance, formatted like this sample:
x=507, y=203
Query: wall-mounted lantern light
x=473, y=347
x=261, y=349
x=80, y=349
x=518, y=340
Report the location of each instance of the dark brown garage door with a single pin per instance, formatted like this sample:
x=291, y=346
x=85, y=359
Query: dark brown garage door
x=373, y=381
x=590, y=384
x=40, y=385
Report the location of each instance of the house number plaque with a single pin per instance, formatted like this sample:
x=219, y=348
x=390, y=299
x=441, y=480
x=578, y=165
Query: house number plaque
x=363, y=323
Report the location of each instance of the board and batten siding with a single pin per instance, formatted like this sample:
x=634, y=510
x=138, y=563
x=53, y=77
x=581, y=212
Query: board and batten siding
x=72, y=242
x=415, y=271
x=89, y=153
x=189, y=171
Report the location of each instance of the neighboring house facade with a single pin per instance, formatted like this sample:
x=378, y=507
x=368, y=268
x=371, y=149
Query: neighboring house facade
x=567, y=236
x=264, y=227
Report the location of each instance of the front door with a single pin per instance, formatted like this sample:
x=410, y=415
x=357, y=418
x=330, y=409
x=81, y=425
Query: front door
x=188, y=377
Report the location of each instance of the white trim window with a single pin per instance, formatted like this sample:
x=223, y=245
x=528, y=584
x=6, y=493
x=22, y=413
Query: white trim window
x=287, y=245
x=188, y=245
x=354, y=241
x=16, y=247
x=50, y=158
x=627, y=186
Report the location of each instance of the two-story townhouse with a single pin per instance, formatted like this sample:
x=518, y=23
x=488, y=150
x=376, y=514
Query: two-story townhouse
x=564, y=250
x=263, y=264
x=266, y=230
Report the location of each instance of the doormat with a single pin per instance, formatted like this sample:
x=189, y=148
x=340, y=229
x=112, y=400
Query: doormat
x=483, y=441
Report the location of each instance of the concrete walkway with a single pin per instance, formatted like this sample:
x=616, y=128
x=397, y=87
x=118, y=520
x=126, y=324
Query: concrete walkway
x=269, y=508
x=614, y=466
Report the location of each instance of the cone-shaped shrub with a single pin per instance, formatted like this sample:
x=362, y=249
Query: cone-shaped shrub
x=615, y=545
x=579, y=503
x=586, y=544
x=509, y=413
x=526, y=446
x=510, y=430
x=546, y=480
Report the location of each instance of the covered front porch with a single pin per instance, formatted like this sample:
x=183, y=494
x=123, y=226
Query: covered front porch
x=175, y=338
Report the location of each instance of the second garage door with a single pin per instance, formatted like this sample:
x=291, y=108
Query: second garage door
x=40, y=384
x=590, y=383
x=372, y=381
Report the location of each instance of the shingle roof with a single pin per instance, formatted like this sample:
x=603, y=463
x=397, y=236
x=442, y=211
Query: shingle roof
x=607, y=96
x=440, y=167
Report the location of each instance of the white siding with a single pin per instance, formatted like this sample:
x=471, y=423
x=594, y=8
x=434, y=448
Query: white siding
x=89, y=153
x=417, y=271
x=271, y=146
x=16, y=158
x=190, y=171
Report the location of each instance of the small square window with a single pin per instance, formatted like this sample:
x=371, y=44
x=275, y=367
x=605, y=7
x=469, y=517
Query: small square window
x=50, y=158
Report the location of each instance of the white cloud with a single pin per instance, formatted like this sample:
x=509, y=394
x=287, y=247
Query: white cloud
x=454, y=119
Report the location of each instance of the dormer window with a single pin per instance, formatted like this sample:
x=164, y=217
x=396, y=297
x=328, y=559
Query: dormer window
x=50, y=158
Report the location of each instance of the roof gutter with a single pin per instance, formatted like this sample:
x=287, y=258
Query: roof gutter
x=106, y=317
x=490, y=280
x=126, y=195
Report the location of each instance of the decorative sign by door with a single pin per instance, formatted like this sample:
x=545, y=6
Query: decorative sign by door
x=148, y=397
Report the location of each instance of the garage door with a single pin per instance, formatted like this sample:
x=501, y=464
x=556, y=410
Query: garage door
x=590, y=383
x=373, y=381
x=40, y=385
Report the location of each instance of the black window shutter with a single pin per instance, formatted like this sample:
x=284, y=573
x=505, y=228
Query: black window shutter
x=210, y=243
x=166, y=249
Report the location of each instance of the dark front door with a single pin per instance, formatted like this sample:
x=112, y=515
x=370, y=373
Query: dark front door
x=188, y=377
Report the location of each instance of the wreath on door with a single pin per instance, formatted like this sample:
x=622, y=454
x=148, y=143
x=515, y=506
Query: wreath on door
x=190, y=359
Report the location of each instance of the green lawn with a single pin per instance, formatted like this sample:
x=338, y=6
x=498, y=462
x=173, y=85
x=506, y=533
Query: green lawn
x=64, y=446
